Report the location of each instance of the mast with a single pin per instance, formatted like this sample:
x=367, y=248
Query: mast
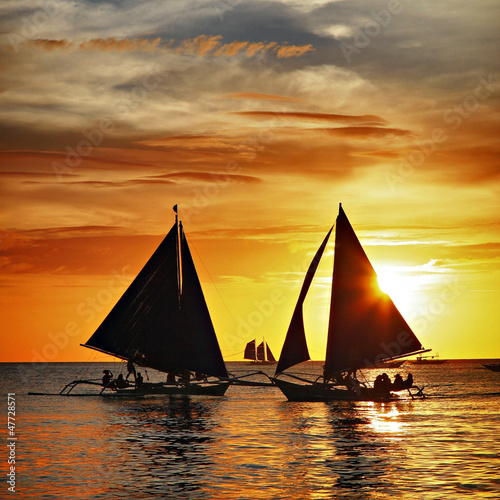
x=178, y=254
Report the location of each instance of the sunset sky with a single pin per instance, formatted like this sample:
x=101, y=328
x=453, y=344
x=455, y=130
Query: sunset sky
x=257, y=118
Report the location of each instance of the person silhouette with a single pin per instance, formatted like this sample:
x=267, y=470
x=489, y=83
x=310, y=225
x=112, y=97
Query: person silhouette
x=107, y=379
x=130, y=369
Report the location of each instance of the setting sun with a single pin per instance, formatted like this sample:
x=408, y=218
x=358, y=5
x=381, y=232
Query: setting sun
x=397, y=284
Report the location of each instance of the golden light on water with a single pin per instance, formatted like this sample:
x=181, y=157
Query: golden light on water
x=385, y=420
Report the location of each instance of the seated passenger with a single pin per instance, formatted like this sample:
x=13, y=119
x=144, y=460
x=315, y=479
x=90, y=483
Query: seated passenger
x=398, y=383
x=107, y=379
x=120, y=382
x=409, y=381
x=382, y=384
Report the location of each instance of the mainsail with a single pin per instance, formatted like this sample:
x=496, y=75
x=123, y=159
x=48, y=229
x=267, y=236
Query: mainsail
x=250, y=352
x=264, y=352
x=162, y=320
x=365, y=327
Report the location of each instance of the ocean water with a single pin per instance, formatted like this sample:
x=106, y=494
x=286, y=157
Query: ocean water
x=252, y=443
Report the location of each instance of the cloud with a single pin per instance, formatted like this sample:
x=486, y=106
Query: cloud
x=309, y=116
x=202, y=45
x=367, y=132
x=175, y=178
x=258, y=96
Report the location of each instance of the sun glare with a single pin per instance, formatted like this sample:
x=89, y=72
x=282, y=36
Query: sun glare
x=389, y=281
x=396, y=284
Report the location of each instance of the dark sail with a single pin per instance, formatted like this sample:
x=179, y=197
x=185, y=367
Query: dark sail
x=201, y=351
x=250, y=351
x=295, y=349
x=144, y=324
x=261, y=354
x=270, y=356
x=158, y=324
x=365, y=326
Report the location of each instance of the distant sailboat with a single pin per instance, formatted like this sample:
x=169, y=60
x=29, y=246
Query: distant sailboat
x=262, y=355
x=428, y=360
x=162, y=322
x=365, y=328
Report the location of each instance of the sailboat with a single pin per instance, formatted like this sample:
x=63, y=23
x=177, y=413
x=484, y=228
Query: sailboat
x=428, y=360
x=261, y=355
x=365, y=328
x=162, y=322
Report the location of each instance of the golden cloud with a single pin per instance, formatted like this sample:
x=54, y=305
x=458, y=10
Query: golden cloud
x=202, y=45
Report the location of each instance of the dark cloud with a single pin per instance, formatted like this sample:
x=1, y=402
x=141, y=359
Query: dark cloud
x=367, y=132
x=309, y=116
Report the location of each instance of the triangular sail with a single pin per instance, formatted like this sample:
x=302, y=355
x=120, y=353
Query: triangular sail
x=295, y=349
x=365, y=326
x=159, y=325
x=144, y=324
x=201, y=351
x=270, y=356
x=261, y=353
x=250, y=352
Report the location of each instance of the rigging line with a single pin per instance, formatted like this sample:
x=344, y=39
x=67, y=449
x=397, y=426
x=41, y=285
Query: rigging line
x=235, y=354
x=193, y=247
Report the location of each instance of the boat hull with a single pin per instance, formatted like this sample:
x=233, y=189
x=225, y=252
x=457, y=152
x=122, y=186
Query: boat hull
x=319, y=392
x=493, y=367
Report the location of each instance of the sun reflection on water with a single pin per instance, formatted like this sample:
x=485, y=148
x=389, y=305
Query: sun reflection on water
x=386, y=420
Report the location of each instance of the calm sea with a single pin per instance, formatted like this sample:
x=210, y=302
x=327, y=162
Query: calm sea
x=252, y=443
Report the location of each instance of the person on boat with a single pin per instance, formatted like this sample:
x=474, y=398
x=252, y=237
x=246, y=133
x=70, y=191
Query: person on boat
x=130, y=369
x=185, y=377
x=382, y=385
x=120, y=382
x=352, y=383
x=107, y=379
x=171, y=378
x=398, y=383
x=409, y=381
x=139, y=380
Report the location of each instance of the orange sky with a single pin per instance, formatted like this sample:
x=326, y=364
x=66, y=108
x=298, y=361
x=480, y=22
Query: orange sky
x=257, y=122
